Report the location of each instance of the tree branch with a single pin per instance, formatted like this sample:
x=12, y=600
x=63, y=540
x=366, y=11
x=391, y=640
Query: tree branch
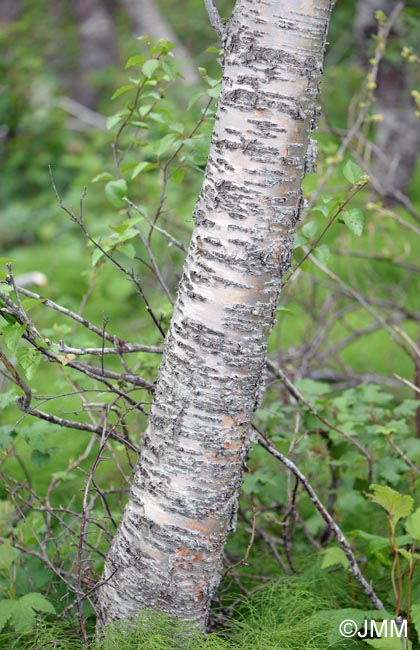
x=265, y=442
x=215, y=20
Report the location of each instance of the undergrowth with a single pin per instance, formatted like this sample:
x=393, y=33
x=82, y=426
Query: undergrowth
x=282, y=616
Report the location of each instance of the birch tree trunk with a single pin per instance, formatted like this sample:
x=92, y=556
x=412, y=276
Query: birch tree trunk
x=167, y=551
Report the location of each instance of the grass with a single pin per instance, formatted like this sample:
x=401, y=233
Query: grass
x=283, y=616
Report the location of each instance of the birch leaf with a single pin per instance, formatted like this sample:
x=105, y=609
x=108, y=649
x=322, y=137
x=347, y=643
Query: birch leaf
x=352, y=172
x=354, y=220
x=322, y=254
x=334, y=556
x=115, y=191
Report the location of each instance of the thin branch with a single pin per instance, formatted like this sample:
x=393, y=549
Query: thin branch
x=295, y=392
x=72, y=424
x=125, y=349
x=407, y=383
x=129, y=274
x=265, y=442
x=120, y=343
x=163, y=232
x=23, y=402
x=403, y=455
x=215, y=19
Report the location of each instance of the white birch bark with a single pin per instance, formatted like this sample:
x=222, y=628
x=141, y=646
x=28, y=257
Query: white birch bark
x=167, y=551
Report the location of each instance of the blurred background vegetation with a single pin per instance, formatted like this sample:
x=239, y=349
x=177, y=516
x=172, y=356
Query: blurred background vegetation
x=348, y=320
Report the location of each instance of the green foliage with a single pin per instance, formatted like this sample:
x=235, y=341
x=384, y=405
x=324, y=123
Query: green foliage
x=21, y=613
x=153, y=171
x=396, y=505
x=287, y=614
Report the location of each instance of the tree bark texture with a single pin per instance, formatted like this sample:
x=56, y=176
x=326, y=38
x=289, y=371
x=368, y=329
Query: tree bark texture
x=168, y=549
x=398, y=134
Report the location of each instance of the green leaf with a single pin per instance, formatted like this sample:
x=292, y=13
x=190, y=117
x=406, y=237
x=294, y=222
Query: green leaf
x=23, y=617
x=354, y=220
x=128, y=250
x=8, y=555
x=407, y=555
x=160, y=118
x=309, y=229
x=412, y=525
x=415, y=617
x=96, y=256
x=333, y=556
x=7, y=433
x=135, y=60
x=6, y=610
x=113, y=120
x=214, y=50
x=300, y=240
x=143, y=166
x=322, y=254
x=7, y=398
x=178, y=175
x=103, y=176
x=5, y=260
x=194, y=99
x=28, y=303
x=29, y=359
x=40, y=458
x=352, y=172
x=214, y=92
x=165, y=144
x=407, y=408
x=311, y=388
x=396, y=504
x=377, y=543
x=389, y=643
x=12, y=334
x=122, y=90
x=115, y=191
x=36, y=434
x=149, y=67
x=324, y=209
x=38, y=602
x=144, y=109
x=380, y=16
x=333, y=618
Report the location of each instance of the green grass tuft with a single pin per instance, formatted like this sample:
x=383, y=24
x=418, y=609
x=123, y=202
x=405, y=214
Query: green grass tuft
x=280, y=617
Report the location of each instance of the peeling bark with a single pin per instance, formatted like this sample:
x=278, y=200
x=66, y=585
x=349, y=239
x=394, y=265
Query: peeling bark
x=167, y=551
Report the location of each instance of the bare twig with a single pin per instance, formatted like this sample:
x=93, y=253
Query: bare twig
x=215, y=19
x=298, y=395
x=265, y=442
